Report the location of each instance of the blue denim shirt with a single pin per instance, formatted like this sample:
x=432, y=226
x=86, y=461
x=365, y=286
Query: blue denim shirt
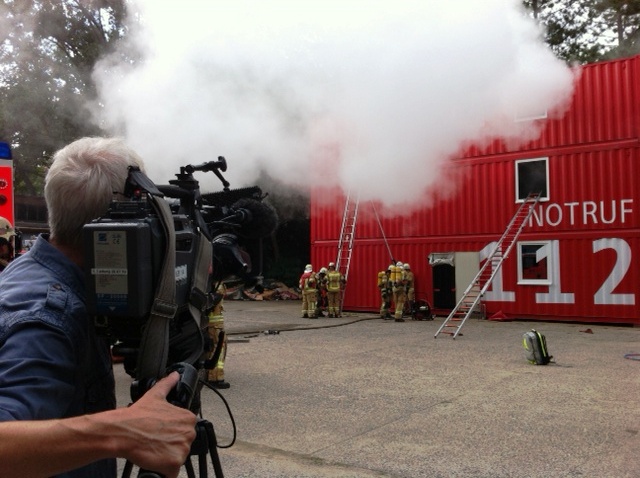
x=52, y=363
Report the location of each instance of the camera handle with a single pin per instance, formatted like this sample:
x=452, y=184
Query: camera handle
x=214, y=166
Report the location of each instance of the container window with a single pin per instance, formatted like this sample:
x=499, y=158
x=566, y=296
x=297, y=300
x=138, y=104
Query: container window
x=532, y=115
x=532, y=176
x=534, y=263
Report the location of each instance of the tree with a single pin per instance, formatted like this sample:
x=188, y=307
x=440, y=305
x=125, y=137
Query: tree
x=47, y=53
x=585, y=31
x=623, y=16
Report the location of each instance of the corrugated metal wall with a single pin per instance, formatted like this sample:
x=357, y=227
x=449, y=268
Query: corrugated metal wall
x=604, y=109
x=584, y=275
x=592, y=215
x=588, y=190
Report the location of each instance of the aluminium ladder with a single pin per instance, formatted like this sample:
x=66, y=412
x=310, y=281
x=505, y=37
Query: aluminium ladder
x=345, y=243
x=473, y=294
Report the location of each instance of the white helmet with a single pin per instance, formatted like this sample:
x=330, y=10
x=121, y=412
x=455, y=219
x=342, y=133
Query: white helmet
x=308, y=268
x=332, y=264
x=323, y=270
x=398, y=264
x=407, y=267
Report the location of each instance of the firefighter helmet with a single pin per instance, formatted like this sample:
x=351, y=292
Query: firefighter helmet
x=6, y=230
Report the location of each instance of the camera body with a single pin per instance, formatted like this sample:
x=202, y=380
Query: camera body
x=126, y=251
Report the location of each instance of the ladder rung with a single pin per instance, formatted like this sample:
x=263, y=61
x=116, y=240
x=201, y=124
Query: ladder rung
x=347, y=232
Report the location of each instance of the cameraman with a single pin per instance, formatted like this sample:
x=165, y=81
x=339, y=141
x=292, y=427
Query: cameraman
x=57, y=390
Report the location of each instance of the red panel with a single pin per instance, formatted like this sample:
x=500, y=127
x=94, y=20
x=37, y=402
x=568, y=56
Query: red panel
x=587, y=190
x=584, y=290
x=6, y=191
x=597, y=280
x=605, y=107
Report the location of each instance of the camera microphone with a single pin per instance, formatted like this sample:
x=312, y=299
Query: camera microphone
x=255, y=218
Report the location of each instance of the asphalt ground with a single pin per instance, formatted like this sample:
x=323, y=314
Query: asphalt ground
x=362, y=397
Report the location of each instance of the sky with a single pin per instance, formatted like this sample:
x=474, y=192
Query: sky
x=363, y=95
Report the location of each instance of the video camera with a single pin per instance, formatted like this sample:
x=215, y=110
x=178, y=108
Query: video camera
x=156, y=258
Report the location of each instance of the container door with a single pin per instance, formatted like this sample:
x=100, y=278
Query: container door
x=444, y=286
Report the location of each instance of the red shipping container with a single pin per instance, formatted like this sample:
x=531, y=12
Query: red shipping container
x=577, y=257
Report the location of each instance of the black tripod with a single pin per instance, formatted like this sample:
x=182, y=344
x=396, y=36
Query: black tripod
x=187, y=395
x=204, y=444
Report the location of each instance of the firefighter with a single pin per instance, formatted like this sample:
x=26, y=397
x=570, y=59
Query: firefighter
x=398, y=282
x=335, y=284
x=215, y=375
x=309, y=292
x=305, y=275
x=321, y=285
x=410, y=287
x=384, y=284
x=6, y=253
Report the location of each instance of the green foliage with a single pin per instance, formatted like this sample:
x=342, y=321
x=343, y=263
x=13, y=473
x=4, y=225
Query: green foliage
x=586, y=31
x=47, y=55
x=625, y=16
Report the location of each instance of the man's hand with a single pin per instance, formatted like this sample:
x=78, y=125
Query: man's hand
x=151, y=433
x=156, y=435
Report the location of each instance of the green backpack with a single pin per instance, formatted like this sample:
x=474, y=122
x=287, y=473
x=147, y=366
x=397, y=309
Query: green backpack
x=535, y=346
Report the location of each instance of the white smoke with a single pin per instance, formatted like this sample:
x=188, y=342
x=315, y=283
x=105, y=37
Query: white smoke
x=359, y=94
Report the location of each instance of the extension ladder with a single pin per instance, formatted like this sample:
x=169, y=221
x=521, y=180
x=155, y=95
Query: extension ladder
x=345, y=243
x=473, y=294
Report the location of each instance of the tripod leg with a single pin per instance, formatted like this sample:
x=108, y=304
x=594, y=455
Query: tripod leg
x=126, y=471
x=213, y=448
x=202, y=463
x=189, y=467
